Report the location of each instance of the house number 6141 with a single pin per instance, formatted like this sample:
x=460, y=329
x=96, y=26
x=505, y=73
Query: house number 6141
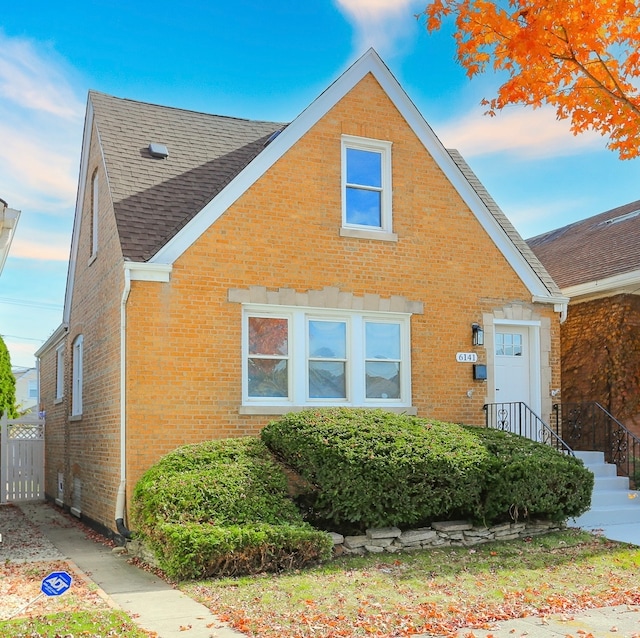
x=466, y=357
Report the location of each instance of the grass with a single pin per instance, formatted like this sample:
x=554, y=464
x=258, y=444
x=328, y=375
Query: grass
x=97, y=624
x=81, y=611
x=437, y=591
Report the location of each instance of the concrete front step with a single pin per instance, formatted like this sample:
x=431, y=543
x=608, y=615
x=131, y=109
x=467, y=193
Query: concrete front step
x=611, y=483
x=613, y=498
x=612, y=502
x=598, y=517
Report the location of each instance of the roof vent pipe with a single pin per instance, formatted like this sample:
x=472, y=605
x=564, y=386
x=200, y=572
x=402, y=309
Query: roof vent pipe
x=158, y=150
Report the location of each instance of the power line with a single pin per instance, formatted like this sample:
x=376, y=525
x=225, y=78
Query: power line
x=23, y=338
x=30, y=304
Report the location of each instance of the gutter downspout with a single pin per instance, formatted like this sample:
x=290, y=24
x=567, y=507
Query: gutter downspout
x=120, y=501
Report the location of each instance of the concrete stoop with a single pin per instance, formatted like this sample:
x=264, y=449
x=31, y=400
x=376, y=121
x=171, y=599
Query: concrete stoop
x=615, y=508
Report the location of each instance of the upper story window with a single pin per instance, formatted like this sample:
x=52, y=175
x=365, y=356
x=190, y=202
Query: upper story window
x=94, y=214
x=33, y=389
x=76, y=377
x=300, y=356
x=60, y=372
x=366, y=185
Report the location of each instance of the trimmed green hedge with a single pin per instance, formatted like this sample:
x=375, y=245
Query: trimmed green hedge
x=530, y=479
x=192, y=550
x=221, y=508
x=372, y=468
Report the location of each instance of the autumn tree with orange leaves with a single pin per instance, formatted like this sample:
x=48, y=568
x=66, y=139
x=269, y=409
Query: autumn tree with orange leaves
x=580, y=56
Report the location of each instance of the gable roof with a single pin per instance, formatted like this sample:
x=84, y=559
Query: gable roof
x=602, y=248
x=153, y=198
x=163, y=206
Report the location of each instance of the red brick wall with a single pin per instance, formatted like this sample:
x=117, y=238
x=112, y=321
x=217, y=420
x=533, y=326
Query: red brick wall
x=601, y=356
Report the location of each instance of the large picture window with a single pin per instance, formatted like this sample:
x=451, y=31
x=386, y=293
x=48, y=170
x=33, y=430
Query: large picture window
x=366, y=176
x=299, y=356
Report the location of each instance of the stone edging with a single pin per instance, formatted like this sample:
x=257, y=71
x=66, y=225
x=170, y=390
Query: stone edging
x=393, y=539
x=447, y=533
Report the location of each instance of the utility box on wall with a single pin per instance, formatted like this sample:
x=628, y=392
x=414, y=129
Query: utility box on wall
x=479, y=371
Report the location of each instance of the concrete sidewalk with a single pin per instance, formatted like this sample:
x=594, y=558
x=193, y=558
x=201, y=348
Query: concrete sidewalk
x=156, y=606
x=151, y=602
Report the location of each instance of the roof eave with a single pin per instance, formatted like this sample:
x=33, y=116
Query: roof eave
x=628, y=282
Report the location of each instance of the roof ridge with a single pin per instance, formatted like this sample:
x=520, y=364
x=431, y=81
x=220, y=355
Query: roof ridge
x=93, y=92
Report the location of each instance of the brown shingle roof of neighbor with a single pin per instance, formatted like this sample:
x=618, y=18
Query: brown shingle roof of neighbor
x=505, y=224
x=154, y=198
x=592, y=249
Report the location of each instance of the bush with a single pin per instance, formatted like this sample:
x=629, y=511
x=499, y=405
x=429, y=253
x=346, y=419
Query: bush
x=195, y=550
x=374, y=469
x=221, y=507
x=529, y=479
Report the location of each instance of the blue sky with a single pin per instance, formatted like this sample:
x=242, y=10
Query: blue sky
x=252, y=59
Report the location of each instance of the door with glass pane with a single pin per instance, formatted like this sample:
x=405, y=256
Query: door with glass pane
x=512, y=365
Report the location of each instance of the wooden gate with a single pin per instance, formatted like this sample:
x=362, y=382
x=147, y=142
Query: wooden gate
x=21, y=459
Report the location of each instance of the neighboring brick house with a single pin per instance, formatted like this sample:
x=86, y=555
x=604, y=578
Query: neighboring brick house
x=596, y=263
x=225, y=271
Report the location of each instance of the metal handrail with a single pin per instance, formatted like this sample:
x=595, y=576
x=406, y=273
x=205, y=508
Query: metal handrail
x=589, y=426
x=519, y=418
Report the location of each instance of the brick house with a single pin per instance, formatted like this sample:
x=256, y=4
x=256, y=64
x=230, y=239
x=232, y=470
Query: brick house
x=596, y=263
x=225, y=271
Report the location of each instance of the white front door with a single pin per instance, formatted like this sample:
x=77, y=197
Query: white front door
x=513, y=387
x=512, y=364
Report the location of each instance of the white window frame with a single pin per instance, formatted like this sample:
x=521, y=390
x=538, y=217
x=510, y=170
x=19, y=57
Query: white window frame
x=32, y=389
x=94, y=215
x=298, y=357
x=77, y=352
x=60, y=372
x=385, y=230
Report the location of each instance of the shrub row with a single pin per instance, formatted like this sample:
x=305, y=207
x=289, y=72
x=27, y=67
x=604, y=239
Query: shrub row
x=373, y=469
x=221, y=507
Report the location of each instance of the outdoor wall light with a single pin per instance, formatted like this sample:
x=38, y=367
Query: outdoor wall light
x=478, y=334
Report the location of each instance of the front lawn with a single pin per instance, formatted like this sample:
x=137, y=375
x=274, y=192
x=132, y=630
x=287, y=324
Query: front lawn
x=96, y=624
x=438, y=591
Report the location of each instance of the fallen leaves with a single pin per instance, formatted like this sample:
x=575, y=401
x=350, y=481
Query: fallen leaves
x=409, y=597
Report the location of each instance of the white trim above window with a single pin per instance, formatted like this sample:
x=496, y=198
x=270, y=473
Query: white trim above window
x=77, y=374
x=366, y=188
x=297, y=357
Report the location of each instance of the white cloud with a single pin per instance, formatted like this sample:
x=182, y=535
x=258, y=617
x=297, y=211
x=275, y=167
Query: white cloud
x=40, y=128
x=38, y=168
x=381, y=24
x=53, y=248
x=524, y=132
x=34, y=80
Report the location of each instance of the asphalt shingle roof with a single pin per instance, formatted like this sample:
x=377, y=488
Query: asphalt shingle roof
x=595, y=248
x=154, y=198
x=505, y=224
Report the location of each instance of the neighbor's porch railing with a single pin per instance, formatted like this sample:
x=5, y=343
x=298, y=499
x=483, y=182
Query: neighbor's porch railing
x=588, y=426
x=519, y=418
